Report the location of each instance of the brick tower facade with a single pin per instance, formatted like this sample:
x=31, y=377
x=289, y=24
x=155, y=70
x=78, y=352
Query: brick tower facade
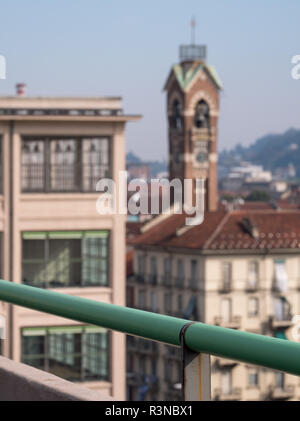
x=193, y=108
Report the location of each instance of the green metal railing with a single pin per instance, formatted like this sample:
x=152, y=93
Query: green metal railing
x=277, y=354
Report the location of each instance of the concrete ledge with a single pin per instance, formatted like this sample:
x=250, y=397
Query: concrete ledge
x=20, y=382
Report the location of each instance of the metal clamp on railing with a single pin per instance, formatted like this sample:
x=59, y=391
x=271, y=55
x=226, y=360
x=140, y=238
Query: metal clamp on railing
x=195, y=383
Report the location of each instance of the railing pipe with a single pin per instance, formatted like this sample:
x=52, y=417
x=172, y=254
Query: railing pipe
x=277, y=354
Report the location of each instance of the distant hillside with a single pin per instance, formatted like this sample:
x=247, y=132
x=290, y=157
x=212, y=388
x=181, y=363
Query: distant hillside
x=273, y=151
x=132, y=158
x=155, y=166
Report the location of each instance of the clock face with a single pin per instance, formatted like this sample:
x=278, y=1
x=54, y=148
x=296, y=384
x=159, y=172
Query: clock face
x=201, y=152
x=201, y=157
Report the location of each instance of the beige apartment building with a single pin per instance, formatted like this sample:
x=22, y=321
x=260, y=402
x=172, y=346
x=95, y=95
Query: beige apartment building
x=240, y=269
x=53, y=152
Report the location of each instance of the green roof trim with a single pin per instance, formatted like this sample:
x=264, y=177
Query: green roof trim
x=185, y=78
x=64, y=235
x=42, y=331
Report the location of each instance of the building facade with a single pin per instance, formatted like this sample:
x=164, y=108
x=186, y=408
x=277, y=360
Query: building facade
x=53, y=152
x=240, y=269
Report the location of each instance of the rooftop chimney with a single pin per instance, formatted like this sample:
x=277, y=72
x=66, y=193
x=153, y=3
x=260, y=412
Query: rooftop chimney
x=250, y=228
x=21, y=89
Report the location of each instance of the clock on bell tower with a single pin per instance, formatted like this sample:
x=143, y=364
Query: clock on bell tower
x=193, y=108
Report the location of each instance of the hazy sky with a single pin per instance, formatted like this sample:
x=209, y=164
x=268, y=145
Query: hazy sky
x=126, y=47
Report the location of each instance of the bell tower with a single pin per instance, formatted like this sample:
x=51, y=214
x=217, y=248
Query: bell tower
x=193, y=108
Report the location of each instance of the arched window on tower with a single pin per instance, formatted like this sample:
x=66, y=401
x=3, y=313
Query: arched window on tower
x=202, y=115
x=176, y=120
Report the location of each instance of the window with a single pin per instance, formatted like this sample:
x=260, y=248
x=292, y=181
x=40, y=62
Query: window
x=180, y=304
x=194, y=269
x=142, y=365
x=202, y=115
x=226, y=310
x=180, y=269
x=74, y=353
x=176, y=120
x=168, y=302
x=226, y=381
x=168, y=370
x=282, y=309
x=253, y=307
x=179, y=282
x=279, y=380
x=141, y=264
x=167, y=271
x=253, y=275
x=167, y=265
x=226, y=275
x=194, y=274
x=154, y=302
x=142, y=299
x=153, y=367
x=281, y=278
x=64, y=164
x=153, y=270
x=65, y=259
x=253, y=377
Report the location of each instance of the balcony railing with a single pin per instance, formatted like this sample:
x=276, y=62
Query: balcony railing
x=225, y=286
x=193, y=283
x=234, y=394
x=152, y=279
x=276, y=354
x=179, y=282
x=252, y=286
x=225, y=363
x=282, y=393
x=140, y=278
x=233, y=322
x=284, y=321
x=166, y=280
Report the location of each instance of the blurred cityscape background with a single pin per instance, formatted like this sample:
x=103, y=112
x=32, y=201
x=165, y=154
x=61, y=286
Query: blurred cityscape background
x=161, y=91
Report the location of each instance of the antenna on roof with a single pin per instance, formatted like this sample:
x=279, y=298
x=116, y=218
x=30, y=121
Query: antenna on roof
x=193, y=30
x=192, y=52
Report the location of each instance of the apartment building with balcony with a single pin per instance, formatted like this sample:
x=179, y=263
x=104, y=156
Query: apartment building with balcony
x=53, y=152
x=240, y=269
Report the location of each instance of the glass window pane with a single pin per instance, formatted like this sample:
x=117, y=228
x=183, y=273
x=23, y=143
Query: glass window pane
x=64, y=355
x=33, y=351
x=64, y=165
x=74, y=356
x=32, y=165
x=33, y=249
x=95, y=161
x=94, y=261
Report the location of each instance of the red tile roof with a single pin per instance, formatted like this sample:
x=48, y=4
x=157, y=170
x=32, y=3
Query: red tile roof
x=133, y=229
x=273, y=229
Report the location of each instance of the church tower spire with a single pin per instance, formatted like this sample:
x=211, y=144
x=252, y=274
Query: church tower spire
x=193, y=108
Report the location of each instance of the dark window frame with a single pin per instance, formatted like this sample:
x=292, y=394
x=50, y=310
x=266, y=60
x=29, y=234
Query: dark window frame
x=78, y=169
x=45, y=356
x=45, y=259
